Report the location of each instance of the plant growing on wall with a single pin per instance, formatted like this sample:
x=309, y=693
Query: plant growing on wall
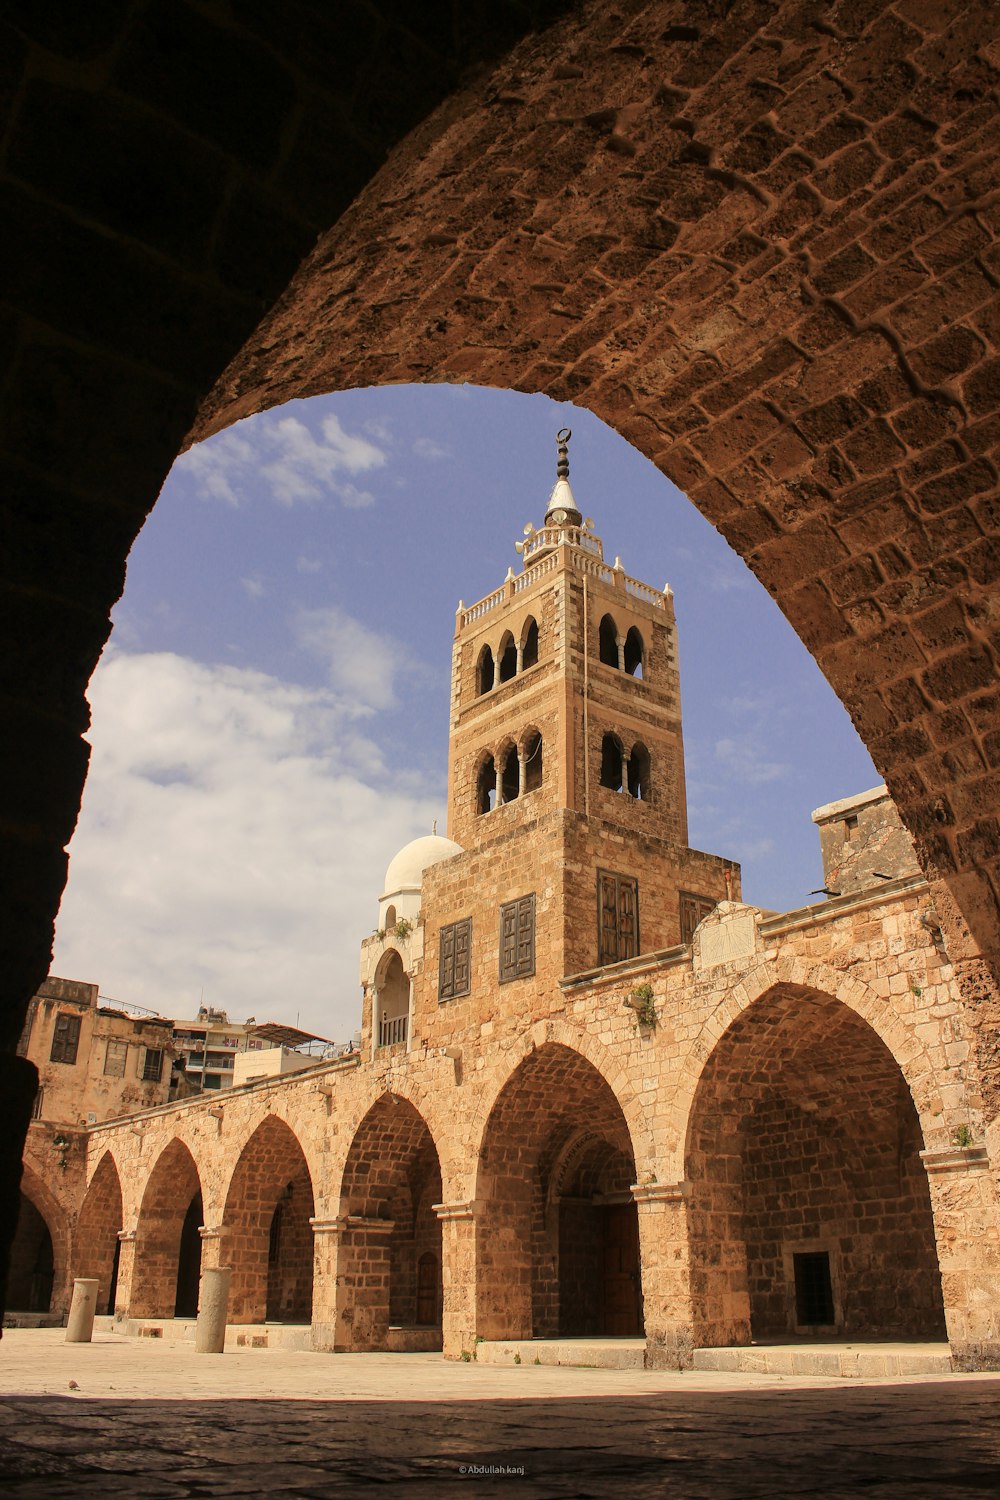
x=403, y=929
x=963, y=1137
x=641, y=1001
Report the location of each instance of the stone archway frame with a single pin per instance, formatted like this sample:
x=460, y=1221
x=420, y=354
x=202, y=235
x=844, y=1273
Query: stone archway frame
x=905, y=1048
x=90, y=1257
x=158, y=1301
x=609, y=1068
x=221, y=1242
x=54, y=1217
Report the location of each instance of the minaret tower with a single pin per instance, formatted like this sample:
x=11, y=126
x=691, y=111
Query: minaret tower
x=565, y=687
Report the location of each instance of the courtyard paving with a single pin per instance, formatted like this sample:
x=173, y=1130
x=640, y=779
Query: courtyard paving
x=149, y=1418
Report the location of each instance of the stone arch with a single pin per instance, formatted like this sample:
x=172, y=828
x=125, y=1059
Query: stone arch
x=937, y=1124
x=529, y=643
x=607, y=641
x=96, y=1240
x=163, y=1251
x=38, y=1277
x=389, y=1186
x=531, y=747
x=808, y=1205
x=555, y=1210
x=506, y=658
x=509, y=772
x=268, y=1234
x=391, y=998
x=486, y=784
x=635, y=652
x=612, y=762
x=485, y=671
x=823, y=388
x=639, y=772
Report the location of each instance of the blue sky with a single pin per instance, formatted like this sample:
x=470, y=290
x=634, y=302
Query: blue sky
x=270, y=717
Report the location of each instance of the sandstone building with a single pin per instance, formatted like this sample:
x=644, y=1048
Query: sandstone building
x=596, y=1093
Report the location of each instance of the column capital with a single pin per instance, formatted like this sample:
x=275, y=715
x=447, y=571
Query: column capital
x=213, y=1231
x=127, y=1236
x=467, y=1210
x=660, y=1192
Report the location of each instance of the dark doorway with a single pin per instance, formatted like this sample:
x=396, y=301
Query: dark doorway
x=813, y=1290
x=113, y=1281
x=189, y=1261
x=428, y=1278
x=622, y=1284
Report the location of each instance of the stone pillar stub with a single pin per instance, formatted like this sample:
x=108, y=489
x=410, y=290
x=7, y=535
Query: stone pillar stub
x=80, y=1328
x=213, y=1304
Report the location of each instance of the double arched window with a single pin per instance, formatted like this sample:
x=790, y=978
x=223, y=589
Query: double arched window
x=512, y=657
x=520, y=771
x=626, y=654
x=625, y=770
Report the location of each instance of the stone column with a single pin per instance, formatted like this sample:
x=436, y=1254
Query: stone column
x=626, y=757
x=666, y=1278
x=126, y=1271
x=213, y=1306
x=326, y=1259
x=212, y=1236
x=967, y=1229
x=80, y=1327
x=352, y=1265
x=458, y=1275
x=621, y=652
x=522, y=772
x=520, y=659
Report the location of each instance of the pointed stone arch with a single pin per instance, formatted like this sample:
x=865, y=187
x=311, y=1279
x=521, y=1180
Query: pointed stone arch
x=268, y=1233
x=96, y=1240
x=391, y=1234
x=39, y=1260
x=808, y=1204
x=529, y=643
x=556, y=1164
x=173, y=1184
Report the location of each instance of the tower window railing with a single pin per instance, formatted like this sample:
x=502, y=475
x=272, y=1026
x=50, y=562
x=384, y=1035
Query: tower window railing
x=392, y=1029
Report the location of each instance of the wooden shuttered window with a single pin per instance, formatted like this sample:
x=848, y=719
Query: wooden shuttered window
x=517, y=938
x=65, y=1038
x=618, y=916
x=693, y=909
x=455, y=964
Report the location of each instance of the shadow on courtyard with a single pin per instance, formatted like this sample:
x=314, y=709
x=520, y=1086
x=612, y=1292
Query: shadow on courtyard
x=891, y=1441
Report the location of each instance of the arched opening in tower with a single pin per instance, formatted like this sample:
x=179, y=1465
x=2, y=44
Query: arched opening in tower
x=508, y=658
x=634, y=653
x=486, y=786
x=608, y=641
x=809, y=1206
x=389, y=1271
x=529, y=644
x=532, y=761
x=392, y=1000
x=510, y=776
x=557, y=1233
x=612, y=760
x=638, y=771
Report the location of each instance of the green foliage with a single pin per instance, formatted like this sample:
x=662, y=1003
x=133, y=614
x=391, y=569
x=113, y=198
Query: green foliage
x=403, y=929
x=963, y=1137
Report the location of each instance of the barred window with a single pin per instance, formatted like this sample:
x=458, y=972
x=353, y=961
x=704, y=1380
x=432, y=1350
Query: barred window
x=152, y=1065
x=693, y=910
x=455, y=968
x=114, y=1059
x=517, y=938
x=65, y=1038
x=617, y=916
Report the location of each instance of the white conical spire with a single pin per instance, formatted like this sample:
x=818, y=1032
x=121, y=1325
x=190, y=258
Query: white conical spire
x=562, y=509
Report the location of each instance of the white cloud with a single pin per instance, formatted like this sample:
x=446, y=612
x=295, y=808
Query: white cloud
x=233, y=839
x=309, y=564
x=359, y=663
x=743, y=761
x=254, y=586
x=426, y=447
x=298, y=463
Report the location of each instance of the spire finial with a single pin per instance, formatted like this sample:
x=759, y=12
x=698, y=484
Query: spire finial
x=562, y=442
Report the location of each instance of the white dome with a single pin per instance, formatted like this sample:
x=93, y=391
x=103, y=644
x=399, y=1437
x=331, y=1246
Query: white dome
x=413, y=859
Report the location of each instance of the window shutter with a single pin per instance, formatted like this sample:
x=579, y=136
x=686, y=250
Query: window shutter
x=65, y=1038
x=609, y=919
x=508, y=941
x=526, y=935
x=463, y=946
x=628, y=918
x=446, y=973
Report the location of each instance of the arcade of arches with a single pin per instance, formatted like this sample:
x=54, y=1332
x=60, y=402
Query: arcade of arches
x=761, y=246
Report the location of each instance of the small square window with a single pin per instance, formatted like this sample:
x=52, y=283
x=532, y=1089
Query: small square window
x=455, y=965
x=517, y=938
x=114, y=1059
x=152, y=1065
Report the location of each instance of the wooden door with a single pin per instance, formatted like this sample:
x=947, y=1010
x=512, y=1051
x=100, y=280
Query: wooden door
x=622, y=1285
